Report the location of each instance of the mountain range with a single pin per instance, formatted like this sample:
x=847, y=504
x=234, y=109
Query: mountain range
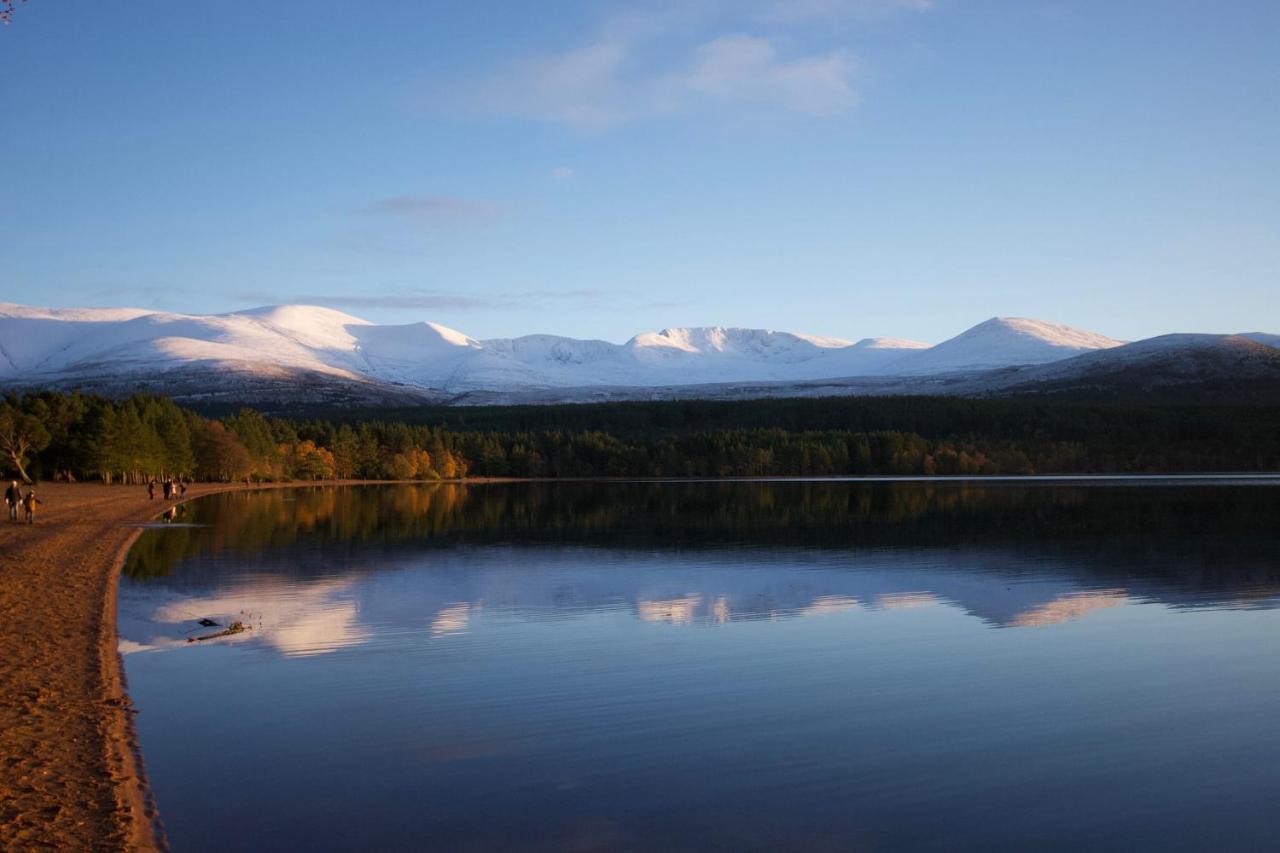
x=300, y=355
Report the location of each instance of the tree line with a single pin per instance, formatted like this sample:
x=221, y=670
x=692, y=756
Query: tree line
x=70, y=436
x=75, y=436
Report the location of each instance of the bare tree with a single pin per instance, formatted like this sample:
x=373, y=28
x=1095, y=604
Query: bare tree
x=20, y=436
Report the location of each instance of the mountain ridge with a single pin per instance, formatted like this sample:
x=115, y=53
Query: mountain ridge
x=293, y=349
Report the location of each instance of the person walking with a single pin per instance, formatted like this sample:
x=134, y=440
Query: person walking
x=29, y=504
x=168, y=489
x=13, y=497
x=182, y=488
x=151, y=489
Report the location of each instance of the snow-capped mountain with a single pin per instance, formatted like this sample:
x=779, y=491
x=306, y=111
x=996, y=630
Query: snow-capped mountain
x=1001, y=342
x=318, y=354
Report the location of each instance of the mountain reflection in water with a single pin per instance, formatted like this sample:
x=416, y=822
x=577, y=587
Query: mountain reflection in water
x=1013, y=556
x=712, y=665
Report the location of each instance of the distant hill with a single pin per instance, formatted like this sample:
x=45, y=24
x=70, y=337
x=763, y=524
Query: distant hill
x=1182, y=368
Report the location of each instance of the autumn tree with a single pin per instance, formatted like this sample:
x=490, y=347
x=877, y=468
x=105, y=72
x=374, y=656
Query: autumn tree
x=399, y=467
x=308, y=461
x=220, y=455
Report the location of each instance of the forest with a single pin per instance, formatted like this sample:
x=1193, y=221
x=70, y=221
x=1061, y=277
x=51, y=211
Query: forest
x=73, y=436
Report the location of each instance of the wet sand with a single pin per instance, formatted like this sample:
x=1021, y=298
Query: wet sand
x=71, y=777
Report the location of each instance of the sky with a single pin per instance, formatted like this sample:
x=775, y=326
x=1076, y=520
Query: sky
x=849, y=168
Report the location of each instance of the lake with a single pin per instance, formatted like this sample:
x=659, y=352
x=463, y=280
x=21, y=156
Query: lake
x=686, y=666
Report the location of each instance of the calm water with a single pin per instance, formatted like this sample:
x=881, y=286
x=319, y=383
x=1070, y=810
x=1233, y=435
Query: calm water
x=827, y=666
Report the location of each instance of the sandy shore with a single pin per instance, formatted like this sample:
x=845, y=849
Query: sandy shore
x=70, y=774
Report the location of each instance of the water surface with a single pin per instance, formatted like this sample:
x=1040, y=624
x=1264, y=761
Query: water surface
x=817, y=665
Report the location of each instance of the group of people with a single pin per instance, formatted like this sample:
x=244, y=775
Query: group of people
x=14, y=497
x=172, y=488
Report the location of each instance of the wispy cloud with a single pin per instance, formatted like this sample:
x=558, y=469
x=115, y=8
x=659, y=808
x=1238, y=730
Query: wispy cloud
x=581, y=87
x=652, y=62
x=153, y=294
x=599, y=86
x=748, y=69
x=430, y=301
x=424, y=300
x=445, y=300
x=438, y=208
x=561, y=173
x=804, y=11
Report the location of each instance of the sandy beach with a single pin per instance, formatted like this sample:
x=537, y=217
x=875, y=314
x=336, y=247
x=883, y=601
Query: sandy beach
x=70, y=775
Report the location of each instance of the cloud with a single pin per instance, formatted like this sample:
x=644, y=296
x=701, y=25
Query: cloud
x=748, y=69
x=561, y=173
x=587, y=87
x=432, y=300
x=578, y=87
x=435, y=207
x=420, y=300
x=809, y=11
x=164, y=297
x=657, y=60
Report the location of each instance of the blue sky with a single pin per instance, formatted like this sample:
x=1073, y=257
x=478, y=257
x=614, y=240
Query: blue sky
x=841, y=167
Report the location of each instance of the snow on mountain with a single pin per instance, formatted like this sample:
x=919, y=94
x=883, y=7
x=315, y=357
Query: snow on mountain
x=545, y=361
x=288, y=346
x=36, y=342
x=421, y=354
x=717, y=354
x=1001, y=342
x=737, y=343
x=58, y=347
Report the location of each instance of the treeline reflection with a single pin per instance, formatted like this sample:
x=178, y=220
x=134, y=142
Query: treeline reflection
x=1232, y=528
